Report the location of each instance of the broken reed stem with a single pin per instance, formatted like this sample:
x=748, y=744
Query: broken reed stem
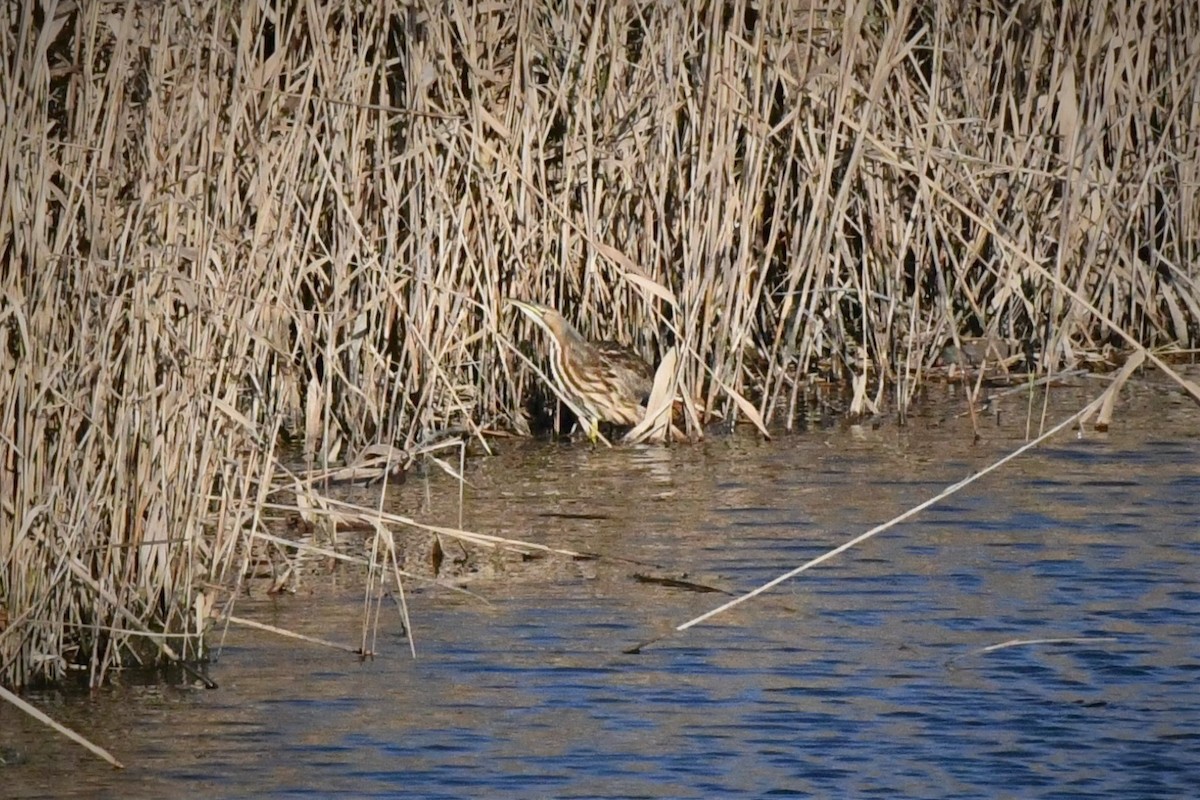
x=262, y=626
x=1079, y=415
x=951, y=663
x=33, y=711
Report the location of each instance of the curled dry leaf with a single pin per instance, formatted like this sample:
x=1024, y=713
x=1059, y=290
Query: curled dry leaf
x=656, y=425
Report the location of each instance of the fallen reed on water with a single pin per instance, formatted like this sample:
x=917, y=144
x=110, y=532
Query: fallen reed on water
x=225, y=224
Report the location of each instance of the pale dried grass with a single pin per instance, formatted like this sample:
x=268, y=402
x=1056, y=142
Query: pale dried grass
x=227, y=221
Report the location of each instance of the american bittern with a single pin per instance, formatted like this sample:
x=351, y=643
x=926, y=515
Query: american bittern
x=600, y=381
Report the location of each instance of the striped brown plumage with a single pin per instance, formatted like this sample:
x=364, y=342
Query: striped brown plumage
x=600, y=381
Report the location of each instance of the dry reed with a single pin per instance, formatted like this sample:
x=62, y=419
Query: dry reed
x=227, y=222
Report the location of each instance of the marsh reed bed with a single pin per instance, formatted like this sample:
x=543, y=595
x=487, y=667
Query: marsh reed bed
x=227, y=225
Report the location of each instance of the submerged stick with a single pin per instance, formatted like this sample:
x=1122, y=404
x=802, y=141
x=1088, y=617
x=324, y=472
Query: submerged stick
x=967, y=481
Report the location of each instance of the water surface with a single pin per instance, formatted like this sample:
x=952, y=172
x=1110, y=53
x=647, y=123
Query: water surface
x=862, y=677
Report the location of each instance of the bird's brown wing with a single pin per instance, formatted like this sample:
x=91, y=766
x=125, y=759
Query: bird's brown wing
x=629, y=370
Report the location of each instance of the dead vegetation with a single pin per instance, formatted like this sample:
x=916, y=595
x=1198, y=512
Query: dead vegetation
x=226, y=223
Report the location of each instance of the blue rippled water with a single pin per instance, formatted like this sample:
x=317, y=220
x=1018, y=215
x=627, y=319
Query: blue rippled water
x=865, y=677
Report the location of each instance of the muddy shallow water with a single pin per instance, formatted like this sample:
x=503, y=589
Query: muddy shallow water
x=864, y=676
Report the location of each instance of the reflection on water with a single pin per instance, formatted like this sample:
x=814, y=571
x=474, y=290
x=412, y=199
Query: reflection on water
x=863, y=676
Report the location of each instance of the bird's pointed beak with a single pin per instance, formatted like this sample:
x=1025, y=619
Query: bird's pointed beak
x=532, y=309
